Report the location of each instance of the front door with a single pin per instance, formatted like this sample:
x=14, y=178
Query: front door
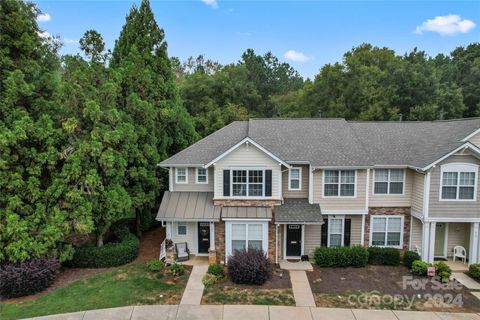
x=203, y=237
x=294, y=240
x=439, y=239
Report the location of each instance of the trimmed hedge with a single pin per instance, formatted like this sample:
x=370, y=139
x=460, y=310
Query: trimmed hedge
x=28, y=277
x=356, y=256
x=384, y=256
x=409, y=257
x=249, y=267
x=474, y=271
x=109, y=255
x=420, y=268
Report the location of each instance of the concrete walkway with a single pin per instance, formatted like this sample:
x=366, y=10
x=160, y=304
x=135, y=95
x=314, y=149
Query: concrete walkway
x=296, y=266
x=239, y=312
x=466, y=281
x=301, y=289
x=194, y=290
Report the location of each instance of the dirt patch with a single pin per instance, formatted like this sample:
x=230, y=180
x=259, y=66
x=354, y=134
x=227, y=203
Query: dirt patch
x=150, y=244
x=333, y=287
x=280, y=279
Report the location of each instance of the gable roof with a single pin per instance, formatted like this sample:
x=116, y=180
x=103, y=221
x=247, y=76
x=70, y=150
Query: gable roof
x=336, y=142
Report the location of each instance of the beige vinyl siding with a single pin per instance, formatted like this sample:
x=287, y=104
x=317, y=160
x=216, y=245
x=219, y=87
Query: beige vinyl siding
x=303, y=193
x=312, y=238
x=417, y=193
x=244, y=157
x=416, y=237
x=392, y=200
x=192, y=185
x=356, y=230
x=458, y=235
x=452, y=209
x=190, y=238
x=475, y=139
x=340, y=203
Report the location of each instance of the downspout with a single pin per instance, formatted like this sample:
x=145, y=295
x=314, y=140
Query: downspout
x=276, y=243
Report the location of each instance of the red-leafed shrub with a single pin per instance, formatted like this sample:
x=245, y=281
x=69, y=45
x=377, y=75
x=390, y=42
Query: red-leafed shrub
x=24, y=278
x=249, y=267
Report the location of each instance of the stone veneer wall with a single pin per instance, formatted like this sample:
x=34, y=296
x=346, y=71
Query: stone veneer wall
x=405, y=211
x=247, y=203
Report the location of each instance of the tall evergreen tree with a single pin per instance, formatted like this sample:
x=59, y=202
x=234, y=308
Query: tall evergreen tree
x=150, y=98
x=100, y=138
x=32, y=221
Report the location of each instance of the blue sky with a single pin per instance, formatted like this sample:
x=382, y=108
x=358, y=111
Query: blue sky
x=306, y=34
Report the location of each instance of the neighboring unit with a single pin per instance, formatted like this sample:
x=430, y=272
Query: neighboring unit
x=291, y=185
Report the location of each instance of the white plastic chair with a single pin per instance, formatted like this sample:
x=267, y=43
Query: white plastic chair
x=460, y=252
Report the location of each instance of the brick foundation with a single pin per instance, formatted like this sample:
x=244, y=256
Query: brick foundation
x=405, y=211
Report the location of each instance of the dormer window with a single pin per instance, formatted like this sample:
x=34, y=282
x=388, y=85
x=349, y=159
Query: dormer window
x=458, y=182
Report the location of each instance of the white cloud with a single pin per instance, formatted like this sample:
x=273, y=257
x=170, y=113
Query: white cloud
x=296, y=56
x=68, y=41
x=243, y=34
x=44, y=17
x=44, y=34
x=448, y=25
x=211, y=3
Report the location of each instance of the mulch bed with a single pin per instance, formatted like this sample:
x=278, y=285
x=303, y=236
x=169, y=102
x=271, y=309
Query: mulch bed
x=275, y=281
x=149, y=249
x=386, y=280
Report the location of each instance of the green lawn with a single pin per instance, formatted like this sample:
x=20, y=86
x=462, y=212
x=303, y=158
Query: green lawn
x=122, y=286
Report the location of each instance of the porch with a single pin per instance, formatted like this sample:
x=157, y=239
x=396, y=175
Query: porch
x=438, y=240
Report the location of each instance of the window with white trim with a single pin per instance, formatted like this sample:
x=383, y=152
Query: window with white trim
x=335, y=232
x=247, y=183
x=295, y=179
x=181, y=175
x=389, y=181
x=247, y=235
x=386, y=231
x=202, y=177
x=458, y=185
x=181, y=228
x=339, y=183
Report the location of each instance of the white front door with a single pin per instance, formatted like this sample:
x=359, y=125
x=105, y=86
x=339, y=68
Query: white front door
x=440, y=233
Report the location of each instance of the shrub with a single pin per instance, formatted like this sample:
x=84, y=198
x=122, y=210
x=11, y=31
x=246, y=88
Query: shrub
x=409, y=257
x=111, y=254
x=24, y=278
x=176, y=270
x=474, y=271
x=216, y=269
x=210, y=279
x=384, y=256
x=356, y=256
x=443, y=270
x=419, y=267
x=155, y=265
x=249, y=267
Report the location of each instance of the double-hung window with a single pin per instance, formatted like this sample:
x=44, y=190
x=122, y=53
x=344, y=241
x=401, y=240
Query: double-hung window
x=386, y=231
x=248, y=183
x=182, y=228
x=459, y=182
x=339, y=183
x=202, y=177
x=389, y=181
x=247, y=235
x=181, y=175
x=335, y=232
x=295, y=179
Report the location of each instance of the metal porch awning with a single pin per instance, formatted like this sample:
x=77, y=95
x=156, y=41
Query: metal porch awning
x=188, y=206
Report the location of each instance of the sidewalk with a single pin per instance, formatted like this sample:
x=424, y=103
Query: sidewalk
x=242, y=312
x=301, y=289
x=194, y=290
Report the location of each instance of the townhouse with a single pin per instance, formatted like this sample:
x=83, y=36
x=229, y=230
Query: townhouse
x=290, y=185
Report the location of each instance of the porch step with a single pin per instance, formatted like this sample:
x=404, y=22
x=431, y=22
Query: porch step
x=296, y=266
x=466, y=281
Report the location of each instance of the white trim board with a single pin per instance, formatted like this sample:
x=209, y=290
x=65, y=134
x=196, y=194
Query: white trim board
x=471, y=135
x=344, y=212
x=466, y=145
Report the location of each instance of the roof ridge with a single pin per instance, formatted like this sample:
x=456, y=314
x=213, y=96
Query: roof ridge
x=294, y=119
x=414, y=121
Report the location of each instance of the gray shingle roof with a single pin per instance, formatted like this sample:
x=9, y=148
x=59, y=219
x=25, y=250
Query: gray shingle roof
x=298, y=210
x=336, y=142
